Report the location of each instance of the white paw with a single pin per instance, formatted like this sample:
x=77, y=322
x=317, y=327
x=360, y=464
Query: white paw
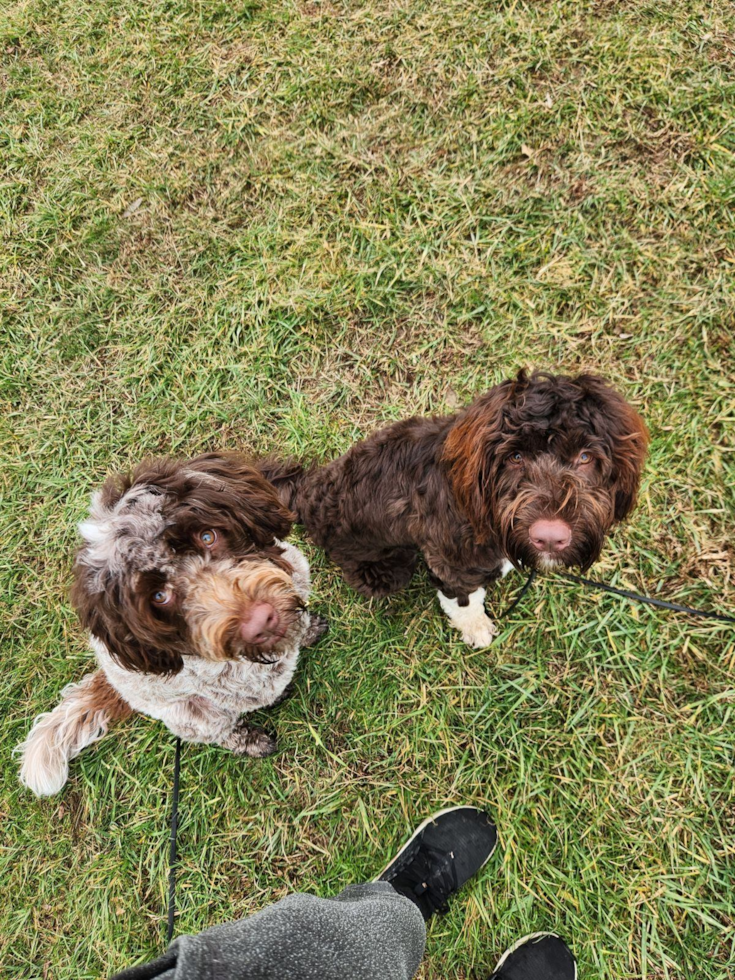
x=506, y=567
x=480, y=633
x=476, y=627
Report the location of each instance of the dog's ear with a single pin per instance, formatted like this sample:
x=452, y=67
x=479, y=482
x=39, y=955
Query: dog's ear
x=124, y=623
x=626, y=435
x=233, y=486
x=473, y=453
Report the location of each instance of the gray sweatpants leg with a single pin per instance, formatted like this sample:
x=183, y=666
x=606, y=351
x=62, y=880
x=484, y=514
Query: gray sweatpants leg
x=367, y=932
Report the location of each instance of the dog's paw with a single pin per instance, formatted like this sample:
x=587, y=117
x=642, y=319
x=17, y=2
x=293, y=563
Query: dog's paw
x=476, y=627
x=246, y=740
x=260, y=744
x=316, y=629
x=480, y=633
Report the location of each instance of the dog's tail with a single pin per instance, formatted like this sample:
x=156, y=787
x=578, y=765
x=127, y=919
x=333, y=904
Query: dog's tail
x=286, y=476
x=82, y=717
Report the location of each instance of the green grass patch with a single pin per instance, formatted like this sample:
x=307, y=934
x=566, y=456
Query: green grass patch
x=273, y=227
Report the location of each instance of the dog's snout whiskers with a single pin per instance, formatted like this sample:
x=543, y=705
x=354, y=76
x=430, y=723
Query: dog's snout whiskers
x=220, y=599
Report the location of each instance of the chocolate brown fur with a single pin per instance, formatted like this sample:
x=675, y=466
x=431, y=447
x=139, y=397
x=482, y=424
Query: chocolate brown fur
x=159, y=508
x=449, y=489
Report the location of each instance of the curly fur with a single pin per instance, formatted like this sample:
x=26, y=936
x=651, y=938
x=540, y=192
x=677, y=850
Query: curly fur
x=452, y=490
x=175, y=559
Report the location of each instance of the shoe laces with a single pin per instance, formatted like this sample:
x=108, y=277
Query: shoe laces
x=429, y=879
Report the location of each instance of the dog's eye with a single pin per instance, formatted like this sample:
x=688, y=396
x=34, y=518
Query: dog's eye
x=584, y=458
x=161, y=597
x=208, y=538
x=515, y=458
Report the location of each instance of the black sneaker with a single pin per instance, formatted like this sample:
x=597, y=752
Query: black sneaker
x=445, y=852
x=540, y=956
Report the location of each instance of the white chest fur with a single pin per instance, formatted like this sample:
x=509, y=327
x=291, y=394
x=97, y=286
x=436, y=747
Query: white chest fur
x=208, y=688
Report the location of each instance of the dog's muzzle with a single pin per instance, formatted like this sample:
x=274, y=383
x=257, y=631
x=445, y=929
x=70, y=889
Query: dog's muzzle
x=239, y=610
x=554, y=517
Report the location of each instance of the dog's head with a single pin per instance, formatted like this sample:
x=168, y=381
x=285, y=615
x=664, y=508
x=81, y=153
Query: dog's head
x=545, y=465
x=181, y=558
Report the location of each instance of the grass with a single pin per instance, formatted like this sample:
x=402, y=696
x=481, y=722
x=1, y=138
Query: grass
x=275, y=226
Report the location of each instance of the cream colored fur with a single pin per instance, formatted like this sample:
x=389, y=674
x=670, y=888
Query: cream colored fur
x=201, y=703
x=472, y=621
x=59, y=735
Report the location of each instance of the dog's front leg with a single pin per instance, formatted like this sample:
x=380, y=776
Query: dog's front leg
x=316, y=627
x=467, y=614
x=197, y=719
x=462, y=597
x=246, y=739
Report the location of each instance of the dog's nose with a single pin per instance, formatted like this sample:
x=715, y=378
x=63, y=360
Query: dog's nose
x=550, y=535
x=260, y=623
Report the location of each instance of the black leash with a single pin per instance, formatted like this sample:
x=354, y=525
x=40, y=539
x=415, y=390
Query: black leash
x=675, y=606
x=172, y=841
x=524, y=590
x=626, y=594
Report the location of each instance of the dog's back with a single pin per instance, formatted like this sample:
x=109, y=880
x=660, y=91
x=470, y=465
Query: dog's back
x=373, y=508
x=371, y=492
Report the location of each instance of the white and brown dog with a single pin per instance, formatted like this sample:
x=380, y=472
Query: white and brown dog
x=195, y=610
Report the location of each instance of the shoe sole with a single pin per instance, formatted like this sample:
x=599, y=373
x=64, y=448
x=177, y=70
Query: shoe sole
x=527, y=939
x=431, y=819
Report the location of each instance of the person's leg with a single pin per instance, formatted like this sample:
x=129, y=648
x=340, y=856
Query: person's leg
x=367, y=931
x=372, y=931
